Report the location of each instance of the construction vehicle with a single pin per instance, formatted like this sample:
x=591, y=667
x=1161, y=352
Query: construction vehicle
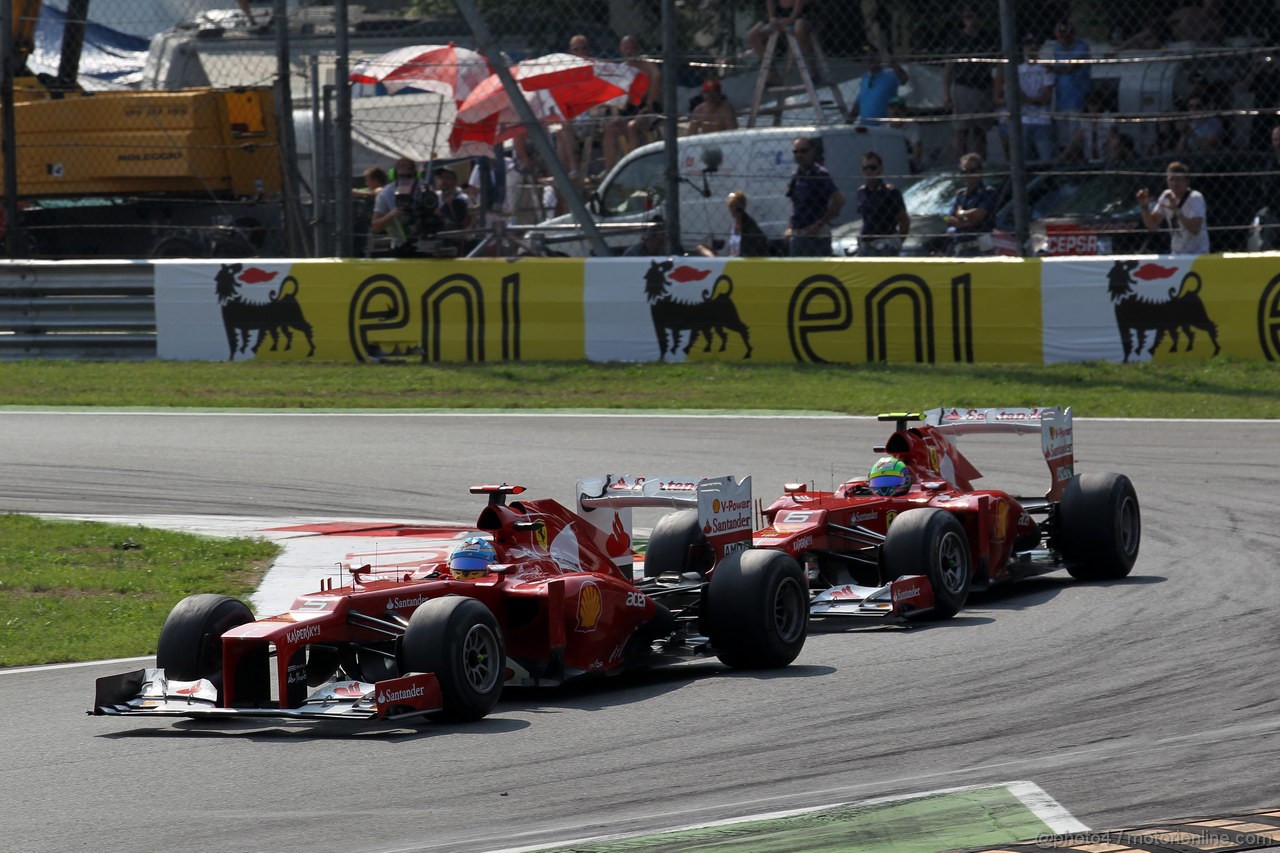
x=130, y=174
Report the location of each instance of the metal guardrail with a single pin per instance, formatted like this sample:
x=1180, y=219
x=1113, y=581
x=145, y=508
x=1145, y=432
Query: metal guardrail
x=104, y=310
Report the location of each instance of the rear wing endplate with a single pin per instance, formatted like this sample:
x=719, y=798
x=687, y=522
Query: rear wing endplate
x=723, y=505
x=1053, y=423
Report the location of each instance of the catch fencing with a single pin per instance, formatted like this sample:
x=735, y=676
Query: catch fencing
x=1137, y=85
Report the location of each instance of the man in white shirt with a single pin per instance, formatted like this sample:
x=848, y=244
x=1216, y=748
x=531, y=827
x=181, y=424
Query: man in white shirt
x=1182, y=209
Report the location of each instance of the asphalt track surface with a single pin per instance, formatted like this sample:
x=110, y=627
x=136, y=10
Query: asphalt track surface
x=1142, y=700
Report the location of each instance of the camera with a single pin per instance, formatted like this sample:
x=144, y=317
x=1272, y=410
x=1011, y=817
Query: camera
x=420, y=212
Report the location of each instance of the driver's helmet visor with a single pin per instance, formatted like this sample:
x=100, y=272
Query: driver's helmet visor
x=889, y=483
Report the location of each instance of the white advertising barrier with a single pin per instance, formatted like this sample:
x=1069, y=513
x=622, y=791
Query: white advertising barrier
x=1118, y=309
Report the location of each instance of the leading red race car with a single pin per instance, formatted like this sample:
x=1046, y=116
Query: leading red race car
x=559, y=602
x=921, y=552
x=889, y=558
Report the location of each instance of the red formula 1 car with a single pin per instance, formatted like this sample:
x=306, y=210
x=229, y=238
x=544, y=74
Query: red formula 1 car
x=921, y=552
x=559, y=602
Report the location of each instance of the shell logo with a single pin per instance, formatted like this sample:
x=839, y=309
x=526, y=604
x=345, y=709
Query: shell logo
x=715, y=505
x=590, y=606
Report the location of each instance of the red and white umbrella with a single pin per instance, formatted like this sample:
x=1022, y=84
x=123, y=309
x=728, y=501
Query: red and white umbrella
x=558, y=86
x=450, y=71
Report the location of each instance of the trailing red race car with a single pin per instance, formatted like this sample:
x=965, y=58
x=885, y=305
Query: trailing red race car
x=919, y=548
x=557, y=602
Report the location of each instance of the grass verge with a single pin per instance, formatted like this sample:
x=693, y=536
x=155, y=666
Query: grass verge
x=74, y=591
x=1219, y=387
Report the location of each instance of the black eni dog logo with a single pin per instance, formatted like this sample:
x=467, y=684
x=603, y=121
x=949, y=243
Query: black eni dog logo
x=1136, y=315
x=242, y=316
x=673, y=315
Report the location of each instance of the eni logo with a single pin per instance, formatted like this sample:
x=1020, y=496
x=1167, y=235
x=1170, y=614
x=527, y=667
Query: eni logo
x=590, y=605
x=540, y=535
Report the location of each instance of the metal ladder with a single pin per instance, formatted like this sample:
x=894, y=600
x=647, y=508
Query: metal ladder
x=795, y=59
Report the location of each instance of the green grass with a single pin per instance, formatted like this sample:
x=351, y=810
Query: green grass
x=1206, y=388
x=85, y=591
x=70, y=591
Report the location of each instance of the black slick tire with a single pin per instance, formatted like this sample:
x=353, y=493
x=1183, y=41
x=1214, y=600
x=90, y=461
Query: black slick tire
x=758, y=609
x=457, y=639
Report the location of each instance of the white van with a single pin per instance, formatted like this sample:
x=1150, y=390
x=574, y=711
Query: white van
x=757, y=161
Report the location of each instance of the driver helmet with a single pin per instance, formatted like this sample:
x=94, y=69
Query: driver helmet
x=889, y=476
x=471, y=558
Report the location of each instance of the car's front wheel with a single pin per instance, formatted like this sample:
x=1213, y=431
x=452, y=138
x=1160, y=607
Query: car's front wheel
x=190, y=646
x=930, y=542
x=458, y=640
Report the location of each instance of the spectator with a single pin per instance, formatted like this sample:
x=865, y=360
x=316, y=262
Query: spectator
x=879, y=85
x=1262, y=80
x=1197, y=21
x=633, y=122
x=911, y=134
x=815, y=202
x=967, y=85
x=1073, y=80
x=455, y=207
x=1269, y=216
x=714, y=113
x=394, y=206
x=1121, y=150
x=885, y=222
x=1089, y=140
x=1198, y=131
x=746, y=238
x=1036, y=84
x=781, y=15
x=654, y=242
x=972, y=216
x=375, y=178
x=1182, y=209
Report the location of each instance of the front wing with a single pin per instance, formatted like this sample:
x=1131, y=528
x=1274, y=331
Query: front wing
x=909, y=595
x=149, y=692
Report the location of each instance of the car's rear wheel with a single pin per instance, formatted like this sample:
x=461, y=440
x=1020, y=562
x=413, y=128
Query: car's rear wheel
x=457, y=639
x=758, y=609
x=190, y=644
x=931, y=542
x=678, y=545
x=1100, y=526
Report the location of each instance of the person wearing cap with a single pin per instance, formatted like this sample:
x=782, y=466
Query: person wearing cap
x=972, y=216
x=393, y=205
x=1073, y=79
x=879, y=85
x=1035, y=82
x=714, y=113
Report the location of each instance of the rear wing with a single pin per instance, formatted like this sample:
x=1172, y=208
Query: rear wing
x=723, y=505
x=1052, y=423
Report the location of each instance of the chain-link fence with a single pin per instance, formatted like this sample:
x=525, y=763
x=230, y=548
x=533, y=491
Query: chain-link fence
x=169, y=136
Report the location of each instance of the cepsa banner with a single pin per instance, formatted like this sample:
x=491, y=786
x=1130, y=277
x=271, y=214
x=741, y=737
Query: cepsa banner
x=393, y=310
x=782, y=310
x=1161, y=308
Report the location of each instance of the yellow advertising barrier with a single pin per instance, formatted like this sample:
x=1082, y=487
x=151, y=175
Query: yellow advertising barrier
x=918, y=310
x=925, y=311
x=411, y=310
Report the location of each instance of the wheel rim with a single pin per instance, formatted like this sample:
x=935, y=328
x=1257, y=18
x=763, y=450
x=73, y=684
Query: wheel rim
x=953, y=563
x=481, y=658
x=1129, y=526
x=789, y=608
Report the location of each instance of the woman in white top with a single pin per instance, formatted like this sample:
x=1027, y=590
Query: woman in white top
x=1182, y=209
